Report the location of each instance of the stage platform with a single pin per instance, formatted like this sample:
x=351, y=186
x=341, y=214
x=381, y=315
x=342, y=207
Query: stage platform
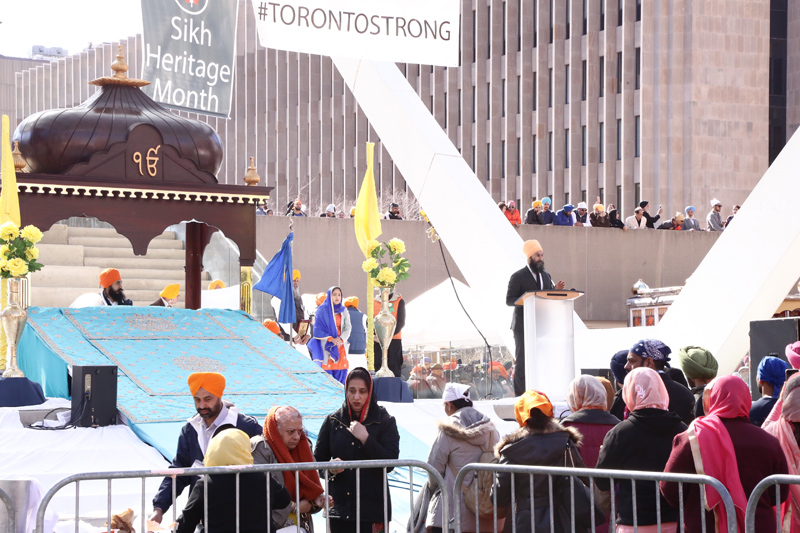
x=156, y=349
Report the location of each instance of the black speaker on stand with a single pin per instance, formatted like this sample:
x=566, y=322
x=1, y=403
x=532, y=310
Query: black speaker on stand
x=770, y=337
x=94, y=396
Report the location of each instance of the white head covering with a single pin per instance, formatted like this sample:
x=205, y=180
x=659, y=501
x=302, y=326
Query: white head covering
x=582, y=205
x=715, y=202
x=455, y=391
x=331, y=208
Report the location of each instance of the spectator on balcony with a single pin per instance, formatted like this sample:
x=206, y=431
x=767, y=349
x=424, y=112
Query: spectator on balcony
x=675, y=224
x=534, y=214
x=581, y=217
x=547, y=215
x=599, y=218
x=651, y=220
x=714, y=219
x=726, y=446
x=353, y=212
x=296, y=209
x=690, y=223
x=730, y=217
x=636, y=220
x=564, y=216
x=393, y=213
x=614, y=220
x=512, y=213
x=330, y=212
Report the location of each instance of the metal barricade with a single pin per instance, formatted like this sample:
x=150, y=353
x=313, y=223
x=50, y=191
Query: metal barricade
x=592, y=474
x=327, y=467
x=761, y=488
x=11, y=512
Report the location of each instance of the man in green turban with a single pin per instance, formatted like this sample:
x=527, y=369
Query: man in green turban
x=700, y=368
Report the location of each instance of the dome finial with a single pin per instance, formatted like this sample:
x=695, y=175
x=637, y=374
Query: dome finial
x=120, y=76
x=120, y=66
x=19, y=161
x=252, y=177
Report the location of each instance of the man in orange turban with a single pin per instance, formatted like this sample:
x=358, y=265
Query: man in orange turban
x=168, y=296
x=212, y=414
x=532, y=277
x=112, y=293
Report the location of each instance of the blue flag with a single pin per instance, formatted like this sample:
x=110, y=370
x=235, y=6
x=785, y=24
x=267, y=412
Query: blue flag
x=277, y=281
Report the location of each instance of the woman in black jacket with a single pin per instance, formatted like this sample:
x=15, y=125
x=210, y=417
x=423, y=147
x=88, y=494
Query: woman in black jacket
x=360, y=430
x=232, y=447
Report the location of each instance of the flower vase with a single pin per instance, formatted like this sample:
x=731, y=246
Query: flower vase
x=13, y=318
x=385, y=323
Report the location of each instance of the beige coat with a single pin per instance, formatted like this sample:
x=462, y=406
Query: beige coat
x=461, y=440
x=263, y=455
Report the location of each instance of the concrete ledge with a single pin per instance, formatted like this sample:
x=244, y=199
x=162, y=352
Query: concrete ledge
x=60, y=254
x=59, y=276
x=127, y=253
x=137, y=262
x=57, y=234
x=121, y=242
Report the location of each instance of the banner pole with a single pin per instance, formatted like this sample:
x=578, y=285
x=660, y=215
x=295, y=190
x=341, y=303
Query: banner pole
x=370, y=327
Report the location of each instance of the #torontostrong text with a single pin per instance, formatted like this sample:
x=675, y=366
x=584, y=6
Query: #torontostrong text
x=348, y=21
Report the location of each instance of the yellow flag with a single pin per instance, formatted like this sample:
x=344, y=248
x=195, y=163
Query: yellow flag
x=9, y=199
x=367, y=219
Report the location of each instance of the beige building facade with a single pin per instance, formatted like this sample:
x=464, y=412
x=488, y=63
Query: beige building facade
x=660, y=100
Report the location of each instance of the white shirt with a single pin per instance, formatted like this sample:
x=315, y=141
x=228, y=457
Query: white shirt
x=227, y=415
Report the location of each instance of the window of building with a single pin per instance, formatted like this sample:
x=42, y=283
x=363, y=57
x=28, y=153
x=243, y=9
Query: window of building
x=583, y=146
x=638, y=10
x=519, y=25
x=445, y=111
x=474, y=153
x=566, y=198
x=474, y=106
x=550, y=91
x=550, y=151
x=566, y=84
x=619, y=12
x=637, y=193
x=552, y=14
x=619, y=72
x=474, y=37
x=488, y=161
x=503, y=159
x=620, y=215
x=619, y=139
x=602, y=76
x=567, y=4
x=566, y=148
x=583, y=81
x=602, y=15
x=583, y=195
x=638, y=141
x=534, y=91
x=519, y=157
x=601, y=141
x=503, y=99
x=519, y=94
x=600, y=194
x=535, y=9
x=638, y=77
x=505, y=24
x=459, y=107
x=585, y=24
x=488, y=32
x=489, y=98
x=533, y=153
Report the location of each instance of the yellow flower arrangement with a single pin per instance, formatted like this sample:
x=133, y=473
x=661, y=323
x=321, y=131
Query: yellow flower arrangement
x=385, y=265
x=18, y=255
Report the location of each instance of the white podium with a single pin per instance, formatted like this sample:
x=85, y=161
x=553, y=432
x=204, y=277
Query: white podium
x=549, y=340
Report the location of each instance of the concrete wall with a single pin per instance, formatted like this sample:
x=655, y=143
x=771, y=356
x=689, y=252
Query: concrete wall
x=604, y=263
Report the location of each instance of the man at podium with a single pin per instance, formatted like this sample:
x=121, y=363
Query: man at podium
x=532, y=277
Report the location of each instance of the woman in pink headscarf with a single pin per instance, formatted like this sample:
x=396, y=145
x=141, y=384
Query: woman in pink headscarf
x=787, y=429
x=725, y=445
x=588, y=400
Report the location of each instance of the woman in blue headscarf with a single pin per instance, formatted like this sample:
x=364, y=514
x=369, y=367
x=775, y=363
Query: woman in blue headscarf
x=771, y=375
x=331, y=331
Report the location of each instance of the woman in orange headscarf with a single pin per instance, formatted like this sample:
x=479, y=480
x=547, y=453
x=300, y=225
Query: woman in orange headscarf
x=285, y=441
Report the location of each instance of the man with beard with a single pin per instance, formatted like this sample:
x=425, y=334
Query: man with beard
x=112, y=293
x=212, y=413
x=300, y=310
x=532, y=277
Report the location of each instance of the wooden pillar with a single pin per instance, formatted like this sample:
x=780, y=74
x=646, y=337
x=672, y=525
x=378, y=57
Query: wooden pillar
x=197, y=237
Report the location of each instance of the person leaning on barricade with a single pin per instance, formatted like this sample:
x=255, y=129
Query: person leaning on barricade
x=641, y=442
x=360, y=430
x=231, y=447
x=285, y=441
x=193, y=442
x=726, y=446
x=463, y=437
x=542, y=441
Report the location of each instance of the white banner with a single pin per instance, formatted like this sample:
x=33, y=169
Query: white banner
x=400, y=31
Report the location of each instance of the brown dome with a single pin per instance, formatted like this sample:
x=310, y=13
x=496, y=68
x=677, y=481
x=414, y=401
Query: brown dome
x=53, y=141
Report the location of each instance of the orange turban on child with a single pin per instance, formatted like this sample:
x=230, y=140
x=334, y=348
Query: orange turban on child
x=530, y=400
x=320, y=298
x=171, y=291
x=213, y=382
x=531, y=247
x=216, y=284
x=108, y=277
x=272, y=326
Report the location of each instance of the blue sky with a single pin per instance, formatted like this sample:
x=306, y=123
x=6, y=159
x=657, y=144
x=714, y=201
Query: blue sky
x=70, y=24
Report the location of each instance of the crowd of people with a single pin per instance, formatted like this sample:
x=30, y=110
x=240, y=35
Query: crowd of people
x=543, y=213
x=297, y=208
x=651, y=421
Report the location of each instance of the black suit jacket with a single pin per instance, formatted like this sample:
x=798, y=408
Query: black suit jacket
x=157, y=303
x=519, y=283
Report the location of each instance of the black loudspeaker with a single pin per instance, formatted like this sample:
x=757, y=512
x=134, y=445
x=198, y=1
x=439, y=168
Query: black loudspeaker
x=770, y=337
x=601, y=373
x=94, y=396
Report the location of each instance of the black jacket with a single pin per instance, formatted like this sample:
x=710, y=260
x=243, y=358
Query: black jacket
x=519, y=283
x=222, y=504
x=641, y=442
x=557, y=446
x=335, y=440
x=681, y=399
x=651, y=220
x=532, y=217
x=188, y=452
